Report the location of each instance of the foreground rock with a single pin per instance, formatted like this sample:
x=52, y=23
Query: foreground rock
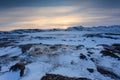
x=111, y=50
x=18, y=66
x=106, y=72
x=60, y=77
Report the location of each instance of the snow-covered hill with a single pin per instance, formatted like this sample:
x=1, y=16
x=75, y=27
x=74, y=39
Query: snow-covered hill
x=98, y=28
x=66, y=55
x=114, y=28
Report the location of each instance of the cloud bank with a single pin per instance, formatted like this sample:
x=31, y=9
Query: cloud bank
x=44, y=14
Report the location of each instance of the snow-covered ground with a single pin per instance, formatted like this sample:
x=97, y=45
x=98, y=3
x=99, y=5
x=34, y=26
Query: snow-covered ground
x=68, y=53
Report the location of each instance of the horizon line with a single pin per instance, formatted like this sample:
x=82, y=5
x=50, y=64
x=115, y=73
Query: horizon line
x=58, y=28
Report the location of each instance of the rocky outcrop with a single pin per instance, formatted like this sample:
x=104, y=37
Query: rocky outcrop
x=18, y=66
x=60, y=77
x=104, y=71
x=111, y=50
x=82, y=56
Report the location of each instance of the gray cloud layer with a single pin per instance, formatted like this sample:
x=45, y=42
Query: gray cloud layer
x=33, y=3
x=58, y=13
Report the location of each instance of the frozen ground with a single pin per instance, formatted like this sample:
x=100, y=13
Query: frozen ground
x=69, y=53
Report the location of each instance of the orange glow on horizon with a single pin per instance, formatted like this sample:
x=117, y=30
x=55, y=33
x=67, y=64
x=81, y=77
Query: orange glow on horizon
x=43, y=18
x=44, y=23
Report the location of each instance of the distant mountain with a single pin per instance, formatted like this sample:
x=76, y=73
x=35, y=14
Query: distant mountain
x=107, y=28
x=78, y=28
x=98, y=28
x=4, y=32
x=114, y=28
x=20, y=31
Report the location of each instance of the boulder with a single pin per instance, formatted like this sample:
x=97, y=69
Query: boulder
x=18, y=66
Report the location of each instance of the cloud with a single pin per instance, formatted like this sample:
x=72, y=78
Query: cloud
x=39, y=16
x=58, y=14
x=48, y=3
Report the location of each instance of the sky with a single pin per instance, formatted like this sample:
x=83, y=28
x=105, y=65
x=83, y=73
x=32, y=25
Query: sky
x=47, y=14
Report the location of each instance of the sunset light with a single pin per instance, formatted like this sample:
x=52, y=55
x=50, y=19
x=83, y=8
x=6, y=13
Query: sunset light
x=46, y=14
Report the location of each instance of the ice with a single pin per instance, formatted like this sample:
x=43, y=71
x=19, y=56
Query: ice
x=64, y=60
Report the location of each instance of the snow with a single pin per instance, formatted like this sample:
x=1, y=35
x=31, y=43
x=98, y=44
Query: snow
x=36, y=71
x=64, y=60
x=10, y=76
x=11, y=51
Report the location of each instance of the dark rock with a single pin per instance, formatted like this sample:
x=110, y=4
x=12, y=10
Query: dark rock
x=88, y=55
x=111, y=33
x=94, y=41
x=92, y=59
x=82, y=56
x=25, y=47
x=104, y=45
x=0, y=68
x=116, y=44
x=79, y=46
x=53, y=47
x=111, y=50
x=99, y=35
x=108, y=73
x=18, y=66
x=109, y=53
x=60, y=77
x=90, y=52
x=117, y=47
x=90, y=70
x=93, y=35
x=15, y=57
